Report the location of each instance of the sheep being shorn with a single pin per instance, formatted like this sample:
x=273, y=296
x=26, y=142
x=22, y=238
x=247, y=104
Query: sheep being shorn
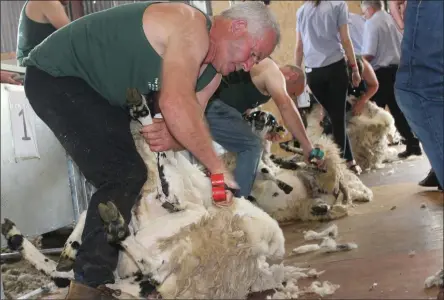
x=195, y=251
x=369, y=136
x=313, y=194
x=351, y=186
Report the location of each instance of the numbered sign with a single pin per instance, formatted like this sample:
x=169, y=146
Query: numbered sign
x=23, y=125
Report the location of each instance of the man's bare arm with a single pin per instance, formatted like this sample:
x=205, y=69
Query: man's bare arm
x=372, y=81
x=397, y=12
x=185, y=51
x=275, y=85
x=55, y=13
x=298, y=53
x=368, y=58
x=204, y=95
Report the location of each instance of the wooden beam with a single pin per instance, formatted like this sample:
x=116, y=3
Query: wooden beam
x=76, y=9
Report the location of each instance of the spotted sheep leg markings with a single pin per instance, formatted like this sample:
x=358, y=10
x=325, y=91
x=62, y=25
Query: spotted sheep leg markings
x=16, y=241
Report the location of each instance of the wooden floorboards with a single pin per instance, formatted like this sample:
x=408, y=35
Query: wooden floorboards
x=399, y=237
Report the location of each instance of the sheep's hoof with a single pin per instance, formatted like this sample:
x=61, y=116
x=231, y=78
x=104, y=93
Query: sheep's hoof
x=68, y=256
x=65, y=263
x=362, y=199
x=320, y=209
x=7, y=227
x=115, y=227
x=12, y=235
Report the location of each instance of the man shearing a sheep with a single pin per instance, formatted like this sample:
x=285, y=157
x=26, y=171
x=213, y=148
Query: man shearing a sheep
x=77, y=79
x=241, y=91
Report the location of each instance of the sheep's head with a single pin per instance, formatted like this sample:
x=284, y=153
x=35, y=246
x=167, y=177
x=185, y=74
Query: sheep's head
x=263, y=122
x=329, y=180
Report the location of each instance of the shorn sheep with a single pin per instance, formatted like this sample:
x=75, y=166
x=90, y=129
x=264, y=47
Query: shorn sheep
x=177, y=240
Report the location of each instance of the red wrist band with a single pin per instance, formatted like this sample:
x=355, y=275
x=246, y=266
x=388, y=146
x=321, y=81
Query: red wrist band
x=218, y=187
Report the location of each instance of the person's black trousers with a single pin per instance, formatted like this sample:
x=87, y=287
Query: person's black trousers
x=386, y=96
x=97, y=136
x=329, y=85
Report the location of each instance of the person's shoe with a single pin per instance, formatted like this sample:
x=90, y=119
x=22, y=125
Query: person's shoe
x=430, y=181
x=81, y=291
x=412, y=150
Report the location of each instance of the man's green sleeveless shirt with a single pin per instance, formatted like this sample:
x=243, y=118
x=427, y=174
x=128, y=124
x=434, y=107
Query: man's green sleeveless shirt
x=110, y=51
x=238, y=91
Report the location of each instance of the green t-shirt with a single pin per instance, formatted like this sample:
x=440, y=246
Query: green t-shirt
x=109, y=50
x=238, y=91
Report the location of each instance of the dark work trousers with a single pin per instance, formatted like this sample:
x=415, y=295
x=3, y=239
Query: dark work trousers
x=386, y=96
x=97, y=136
x=329, y=85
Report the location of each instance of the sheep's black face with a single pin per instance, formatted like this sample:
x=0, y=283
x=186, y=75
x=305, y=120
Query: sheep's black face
x=263, y=122
x=257, y=120
x=355, y=93
x=140, y=106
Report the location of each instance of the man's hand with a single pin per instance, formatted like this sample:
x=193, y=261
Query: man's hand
x=272, y=137
x=320, y=162
x=232, y=184
x=356, y=78
x=159, y=138
x=358, y=107
x=8, y=77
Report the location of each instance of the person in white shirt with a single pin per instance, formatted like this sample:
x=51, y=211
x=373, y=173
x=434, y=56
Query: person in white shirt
x=323, y=41
x=356, y=28
x=382, y=48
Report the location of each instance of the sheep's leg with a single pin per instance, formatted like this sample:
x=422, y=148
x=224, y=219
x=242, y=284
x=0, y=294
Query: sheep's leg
x=169, y=201
x=115, y=226
x=344, y=191
x=16, y=241
x=287, y=189
x=72, y=245
x=319, y=206
x=143, y=109
x=117, y=232
x=267, y=160
x=286, y=146
x=284, y=164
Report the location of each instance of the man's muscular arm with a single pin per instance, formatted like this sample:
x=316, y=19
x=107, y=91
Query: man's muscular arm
x=55, y=13
x=185, y=51
x=204, y=95
x=275, y=85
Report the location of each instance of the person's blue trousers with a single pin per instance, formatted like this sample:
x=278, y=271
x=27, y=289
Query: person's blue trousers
x=232, y=132
x=419, y=83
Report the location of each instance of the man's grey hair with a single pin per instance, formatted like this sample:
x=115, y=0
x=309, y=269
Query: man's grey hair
x=259, y=18
x=376, y=4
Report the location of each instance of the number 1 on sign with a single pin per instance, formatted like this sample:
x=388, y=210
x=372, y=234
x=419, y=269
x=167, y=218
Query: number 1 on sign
x=25, y=137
